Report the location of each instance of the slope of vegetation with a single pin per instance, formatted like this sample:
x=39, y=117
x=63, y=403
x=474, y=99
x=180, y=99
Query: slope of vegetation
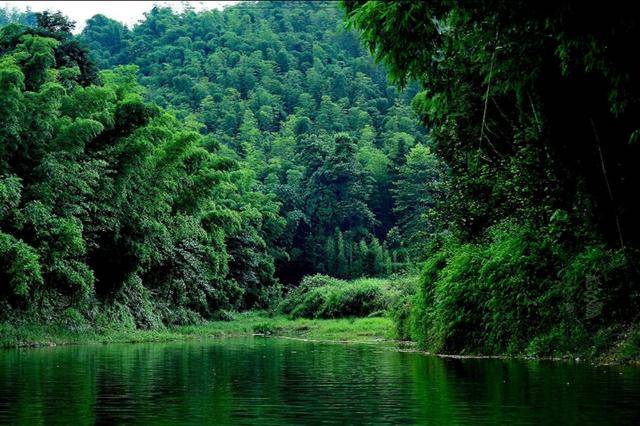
x=285, y=90
x=533, y=107
x=214, y=156
x=202, y=163
x=106, y=199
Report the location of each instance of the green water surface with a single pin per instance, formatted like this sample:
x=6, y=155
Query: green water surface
x=277, y=381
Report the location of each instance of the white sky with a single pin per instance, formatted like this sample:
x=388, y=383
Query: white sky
x=127, y=12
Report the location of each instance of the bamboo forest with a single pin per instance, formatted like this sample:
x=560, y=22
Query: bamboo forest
x=305, y=212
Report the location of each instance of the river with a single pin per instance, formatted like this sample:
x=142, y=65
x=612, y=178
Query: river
x=266, y=381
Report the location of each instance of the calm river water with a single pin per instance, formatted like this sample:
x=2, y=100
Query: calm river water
x=275, y=381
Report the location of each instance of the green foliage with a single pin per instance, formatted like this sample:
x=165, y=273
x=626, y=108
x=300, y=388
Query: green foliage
x=222, y=152
x=14, y=15
x=505, y=108
x=320, y=296
x=499, y=296
x=531, y=110
x=112, y=330
x=630, y=349
x=109, y=203
x=20, y=268
x=419, y=190
x=289, y=94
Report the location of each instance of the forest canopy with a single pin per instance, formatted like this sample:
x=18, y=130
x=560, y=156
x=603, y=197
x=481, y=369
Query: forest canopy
x=195, y=163
x=283, y=88
x=533, y=108
x=200, y=163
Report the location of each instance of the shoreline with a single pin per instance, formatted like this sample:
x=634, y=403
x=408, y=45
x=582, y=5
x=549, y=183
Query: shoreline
x=349, y=330
x=373, y=331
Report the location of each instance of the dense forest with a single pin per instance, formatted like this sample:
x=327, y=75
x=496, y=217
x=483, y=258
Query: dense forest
x=201, y=163
x=533, y=107
x=284, y=90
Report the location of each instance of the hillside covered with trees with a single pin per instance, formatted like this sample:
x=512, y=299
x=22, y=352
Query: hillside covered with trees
x=200, y=163
x=310, y=158
x=533, y=106
x=282, y=88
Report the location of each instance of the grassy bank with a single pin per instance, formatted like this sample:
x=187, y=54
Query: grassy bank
x=343, y=330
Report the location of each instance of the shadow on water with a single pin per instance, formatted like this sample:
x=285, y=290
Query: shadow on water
x=273, y=381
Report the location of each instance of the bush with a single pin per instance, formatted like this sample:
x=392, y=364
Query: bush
x=450, y=301
x=521, y=291
x=352, y=299
x=517, y=277
x=20, y=271
x=299, y=297
x=630, y=349
x=266, y=328
x=72, y=320
x=320, y=296
x=599, y=286
x=400, y=311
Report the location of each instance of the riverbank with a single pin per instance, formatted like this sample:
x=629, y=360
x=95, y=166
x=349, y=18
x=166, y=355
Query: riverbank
x=345, y=330
x=361, y=330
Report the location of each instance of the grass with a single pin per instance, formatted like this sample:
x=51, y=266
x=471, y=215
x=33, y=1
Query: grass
x=343, y=330
x=336, y=330
x=351, y=311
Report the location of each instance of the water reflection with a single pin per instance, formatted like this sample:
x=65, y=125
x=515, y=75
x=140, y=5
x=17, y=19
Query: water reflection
x=272, y=381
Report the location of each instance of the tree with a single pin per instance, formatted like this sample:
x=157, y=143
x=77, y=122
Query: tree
x=419, y=190
x=266, y=93
x=105, y=198
x=532, y=108
x=342, y=267
x=55, y=22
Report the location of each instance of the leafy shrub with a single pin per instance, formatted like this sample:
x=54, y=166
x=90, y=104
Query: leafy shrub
x=598, y=285
x=630, y=349
x=19, y=267
x=139, y=304
x=300, y=296
x=521, y=291
x=115, y=316
x=320, y=296
x=515, y=277
x=453, y=302
x=356, y=299
x=72, y=320
x=400, y=311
